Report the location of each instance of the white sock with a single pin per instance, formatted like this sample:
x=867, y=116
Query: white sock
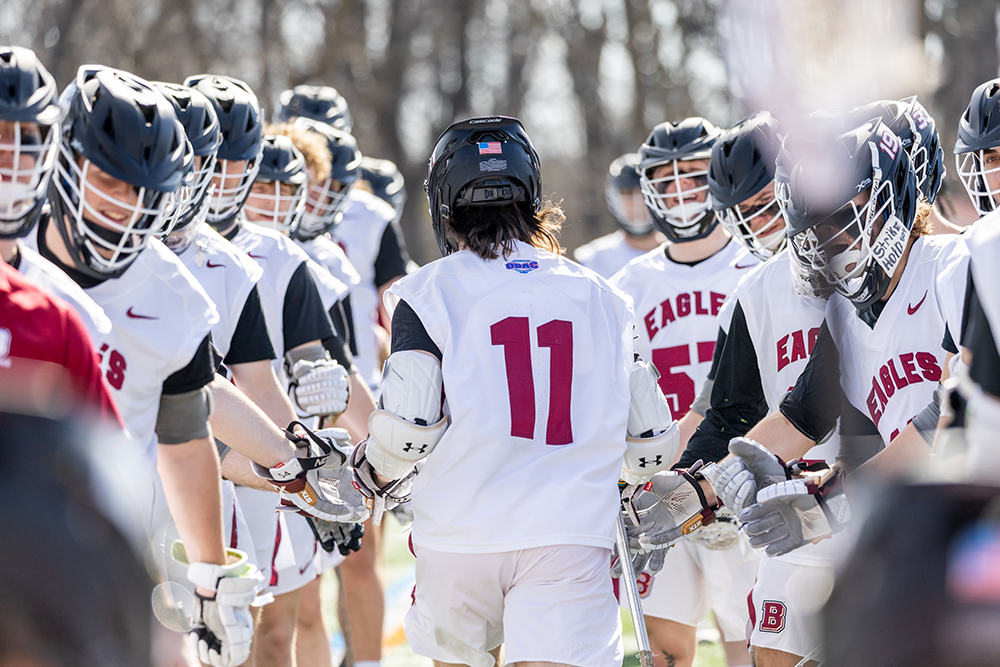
x=378, y=663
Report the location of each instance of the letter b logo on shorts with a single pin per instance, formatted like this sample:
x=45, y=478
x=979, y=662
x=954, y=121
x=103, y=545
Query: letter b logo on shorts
x=772, y=616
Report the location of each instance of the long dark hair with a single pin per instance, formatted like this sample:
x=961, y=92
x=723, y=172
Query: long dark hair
x=489, y=231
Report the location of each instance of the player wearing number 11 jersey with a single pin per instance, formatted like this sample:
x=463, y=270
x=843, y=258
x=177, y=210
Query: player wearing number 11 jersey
x=515, y=507
x=679, y=290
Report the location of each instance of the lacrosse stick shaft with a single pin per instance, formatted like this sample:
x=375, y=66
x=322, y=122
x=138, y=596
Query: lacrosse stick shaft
x=632, y=596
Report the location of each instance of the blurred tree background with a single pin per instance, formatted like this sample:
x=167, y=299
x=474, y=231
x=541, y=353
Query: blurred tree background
x=588, y=77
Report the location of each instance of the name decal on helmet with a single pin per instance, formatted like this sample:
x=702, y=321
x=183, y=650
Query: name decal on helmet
x=492, y=164
x=890, y=244
x=522, y=266
x=889, y=143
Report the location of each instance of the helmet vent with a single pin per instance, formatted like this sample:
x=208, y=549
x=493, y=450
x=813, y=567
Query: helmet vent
x=148, y=112
x=109, y=127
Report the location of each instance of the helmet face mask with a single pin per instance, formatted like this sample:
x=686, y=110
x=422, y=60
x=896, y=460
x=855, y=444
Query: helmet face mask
x=29, y=133
x=231, y=183
x=107, y=231
x=624, y=197
x=278, y=196
x=858, y=247
x=323, y=204
x=31, y=148
x=757, y=223
x=979, y=172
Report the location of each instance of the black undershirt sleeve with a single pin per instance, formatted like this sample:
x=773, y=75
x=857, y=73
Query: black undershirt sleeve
x=814, y=403
x=408, y=332
x=738, y=401
x=391, y=259
x=337, y=344
x=985, y=366
x=339, y=319
x=352, y=338
x=251, y=341
x=198, y=372
x=303, y=316
x=859, y=439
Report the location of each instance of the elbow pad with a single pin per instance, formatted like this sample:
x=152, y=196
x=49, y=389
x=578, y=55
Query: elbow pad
x=409, y=424
x=653, y=435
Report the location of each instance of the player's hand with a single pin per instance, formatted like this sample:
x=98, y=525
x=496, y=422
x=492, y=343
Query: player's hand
x=319, y=388
x=380, y=497
x=223, y=630
x=345, y=537
x=737, y=479
x=317, y=482
x=673, y=507
x=794, y=513
x=403, y=513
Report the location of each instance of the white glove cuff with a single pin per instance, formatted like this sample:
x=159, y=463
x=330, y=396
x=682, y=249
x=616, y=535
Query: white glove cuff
x=208, y=575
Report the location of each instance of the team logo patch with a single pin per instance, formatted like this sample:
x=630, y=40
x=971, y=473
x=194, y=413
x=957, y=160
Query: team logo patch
x=522, y=266
x=492, y=164
x=773, y=617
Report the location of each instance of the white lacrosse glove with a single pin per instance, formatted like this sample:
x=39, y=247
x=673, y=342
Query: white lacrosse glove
x=319, y=388
x=678, y=508
x=738, y=479
x=224, y=626
x=797, y=512
x=642, y=561
x=379, y=499
x=317, y=482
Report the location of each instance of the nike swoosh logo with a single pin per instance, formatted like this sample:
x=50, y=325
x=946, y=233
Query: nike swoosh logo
x=748, y=266
x=250, y=254
x=215, y=266
x=136, y=316
x=912, y=309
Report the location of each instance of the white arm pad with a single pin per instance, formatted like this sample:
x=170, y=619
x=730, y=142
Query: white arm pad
x=648, y=410
x=395, y=444
x=410, y=424
x=644, y=457
x=649, y=416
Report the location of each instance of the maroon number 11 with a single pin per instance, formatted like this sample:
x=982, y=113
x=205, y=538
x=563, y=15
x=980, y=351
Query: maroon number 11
x=514, y=334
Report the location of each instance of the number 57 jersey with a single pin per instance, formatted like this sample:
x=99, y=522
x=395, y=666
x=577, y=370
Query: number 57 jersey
x=677, y=308
x=536, y=352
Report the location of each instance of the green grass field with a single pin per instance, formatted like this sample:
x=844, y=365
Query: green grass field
x=398, y=577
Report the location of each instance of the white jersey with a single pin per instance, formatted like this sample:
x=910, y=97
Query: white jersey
x=53, y=280
x=228, y=276
x=607, y=254
x=360, y=233
x=159, y=315
x=533, y=452
x=889, y=373
x=324, y=251
x=279, y=258
x=676, y=311
x=784, y=327
x=984, y=248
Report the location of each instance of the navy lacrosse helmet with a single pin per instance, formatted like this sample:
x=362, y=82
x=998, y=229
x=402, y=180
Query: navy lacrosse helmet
x=197, y=114
x=486, y=161
x=280, y=163
x=978, y=132
x=856, y=246
x=320, y=103
x=743, y=165
x=120, y=124
x=621, y=185
x=325, y=200
x=386, y=182
x=242, y=131
x=918, y=132
x=669, y=144
x=28, y=97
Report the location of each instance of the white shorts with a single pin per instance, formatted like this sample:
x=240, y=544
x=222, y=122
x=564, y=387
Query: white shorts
x=262, y=522
x=325, y=560
x=294, y=550
x=787, y=600
x=695, y=579
x=546, y=604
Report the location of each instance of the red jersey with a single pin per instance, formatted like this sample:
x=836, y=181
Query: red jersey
x=47, y=363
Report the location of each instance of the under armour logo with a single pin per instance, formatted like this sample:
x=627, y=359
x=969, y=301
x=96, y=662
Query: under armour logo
x=657, y=461
x=409, y=447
